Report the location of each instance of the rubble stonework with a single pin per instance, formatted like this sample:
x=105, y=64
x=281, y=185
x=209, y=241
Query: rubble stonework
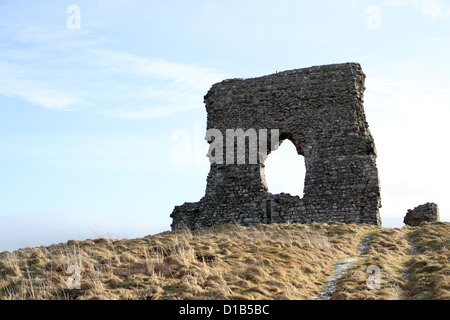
x=320, y=110
x=424, y=213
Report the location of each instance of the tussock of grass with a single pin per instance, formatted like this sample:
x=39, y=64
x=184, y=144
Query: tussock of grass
x=413, y=262
x=429, y=267
x=388, y=250
x=278, y=261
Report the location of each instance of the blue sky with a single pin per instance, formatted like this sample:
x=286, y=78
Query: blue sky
x=93, y=110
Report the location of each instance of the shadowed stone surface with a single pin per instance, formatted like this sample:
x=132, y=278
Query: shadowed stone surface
x=320, y=109
x=424, y=213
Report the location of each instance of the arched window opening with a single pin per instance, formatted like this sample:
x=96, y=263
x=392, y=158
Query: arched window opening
x=285, y=170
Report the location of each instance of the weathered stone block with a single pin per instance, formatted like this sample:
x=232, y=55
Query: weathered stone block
x=424, y=213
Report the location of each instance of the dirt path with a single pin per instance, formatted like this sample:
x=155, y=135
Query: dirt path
x=339, y=270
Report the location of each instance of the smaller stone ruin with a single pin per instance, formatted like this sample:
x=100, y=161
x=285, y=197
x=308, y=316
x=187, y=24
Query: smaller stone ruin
x=424, y=213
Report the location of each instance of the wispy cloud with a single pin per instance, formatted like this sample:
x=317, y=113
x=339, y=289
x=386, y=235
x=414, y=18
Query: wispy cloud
x=163, y=88
x=183, y=75
x=93, y=76
x=13, y=84
x=436, y=9
x=60, y=69
x=40, y=93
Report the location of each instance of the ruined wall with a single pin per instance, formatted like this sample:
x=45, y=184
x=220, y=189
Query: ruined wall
x=427, y=212
x=319, y=109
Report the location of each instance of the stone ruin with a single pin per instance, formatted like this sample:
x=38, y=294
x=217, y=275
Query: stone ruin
x=320, y=110
x=427, y=212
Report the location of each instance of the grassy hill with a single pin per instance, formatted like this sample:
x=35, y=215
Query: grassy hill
x=278, y=261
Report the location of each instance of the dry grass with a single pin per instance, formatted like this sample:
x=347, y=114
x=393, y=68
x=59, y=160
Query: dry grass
x=429, y=268
x=388, y=250
x=279, y=261
x=413, y=262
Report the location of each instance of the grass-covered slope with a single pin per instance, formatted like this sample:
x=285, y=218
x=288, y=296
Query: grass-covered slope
x=278, y=261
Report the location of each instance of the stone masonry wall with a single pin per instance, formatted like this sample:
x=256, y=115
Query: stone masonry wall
x=427, y=212
x=320, y=109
